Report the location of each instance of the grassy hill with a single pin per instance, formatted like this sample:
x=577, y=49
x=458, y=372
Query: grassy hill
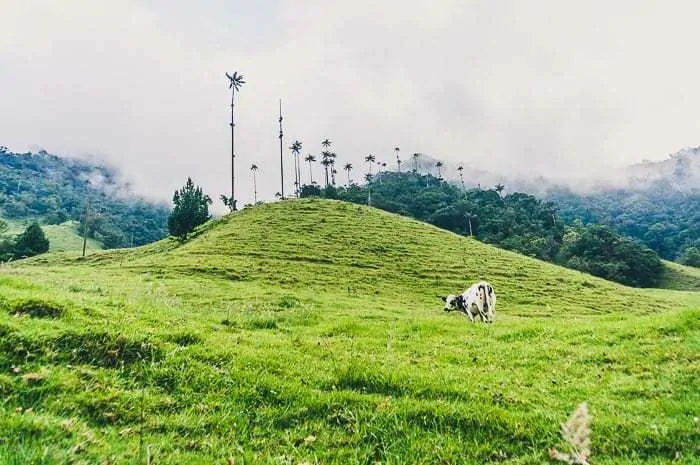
x=679, y=277
x=311, y=332
x=62, y=237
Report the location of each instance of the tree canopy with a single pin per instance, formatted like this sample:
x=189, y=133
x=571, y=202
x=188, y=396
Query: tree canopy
x=191, y=208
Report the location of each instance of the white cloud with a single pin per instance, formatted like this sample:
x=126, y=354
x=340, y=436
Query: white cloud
x=562, y=88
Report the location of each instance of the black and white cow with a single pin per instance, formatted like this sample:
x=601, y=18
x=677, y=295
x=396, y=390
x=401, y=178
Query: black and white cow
x=479, y=299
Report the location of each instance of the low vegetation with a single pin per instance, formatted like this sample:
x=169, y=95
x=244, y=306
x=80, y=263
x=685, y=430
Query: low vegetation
x=310, y=332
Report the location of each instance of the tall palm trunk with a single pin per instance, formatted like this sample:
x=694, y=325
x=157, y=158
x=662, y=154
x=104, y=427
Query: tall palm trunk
x=297, y=167
x=281, y=154
x=311, y=173
x=233, y=155
x=255, y=189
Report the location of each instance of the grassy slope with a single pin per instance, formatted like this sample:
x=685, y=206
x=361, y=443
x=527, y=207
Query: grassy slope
x=62, y=237
x=681, y=277
x=310, y=331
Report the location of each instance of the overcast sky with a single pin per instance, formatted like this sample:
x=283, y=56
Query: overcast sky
x=554, y=87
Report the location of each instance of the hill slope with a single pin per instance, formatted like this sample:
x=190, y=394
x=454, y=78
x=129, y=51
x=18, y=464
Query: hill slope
x=62, y=237
x=310, y=331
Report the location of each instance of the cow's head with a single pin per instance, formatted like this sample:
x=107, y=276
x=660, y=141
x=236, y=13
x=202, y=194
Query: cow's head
x=450, y=302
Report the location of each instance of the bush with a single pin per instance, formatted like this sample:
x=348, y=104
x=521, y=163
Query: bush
x=691, y=257
x=31, y=242
x=598, y=250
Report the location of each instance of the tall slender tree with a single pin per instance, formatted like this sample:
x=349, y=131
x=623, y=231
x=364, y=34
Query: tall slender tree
x=499, y=188
x=398, y=160
x=326, y=162
x=415, y=162
x=370, y=159
x=296, y=149
x=460, y=168
x=281, y=156
x=333, y=157
x=254, y=169
x=438, y=165
x=235, y=83
x=310, y=159
x=326, y=144
x=348, y=168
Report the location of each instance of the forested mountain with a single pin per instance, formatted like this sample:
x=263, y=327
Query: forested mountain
x=659, y=205
x=52, y=190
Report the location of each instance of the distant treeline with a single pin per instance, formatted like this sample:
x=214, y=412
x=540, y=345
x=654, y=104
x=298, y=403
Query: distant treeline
x=516, y=221
x=664, y=218
x=52, y=190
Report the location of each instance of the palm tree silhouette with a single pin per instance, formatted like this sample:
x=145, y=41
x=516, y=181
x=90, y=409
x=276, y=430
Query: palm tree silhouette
x=348, y=168
x=332, y=157
x=326, y=144
x=296, y=148
x=254, y=169
x=460, y=168
x=438, y=165
x=310, y=158
x=235, y=83
x=499, y=188
x=326, y=162
x=369, y=159
x=415, y=162
x=398, y=160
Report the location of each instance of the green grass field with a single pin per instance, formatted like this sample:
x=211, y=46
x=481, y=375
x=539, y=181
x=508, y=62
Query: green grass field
x=62, y=237
x=311, y=332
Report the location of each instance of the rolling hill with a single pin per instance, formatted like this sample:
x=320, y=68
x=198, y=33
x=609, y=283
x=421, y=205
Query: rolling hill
x=310, y=332
x=62, y=237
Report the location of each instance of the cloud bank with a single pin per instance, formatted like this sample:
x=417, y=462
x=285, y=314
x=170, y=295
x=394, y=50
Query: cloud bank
x=562, y=89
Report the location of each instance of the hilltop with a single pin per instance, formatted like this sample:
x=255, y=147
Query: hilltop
x=310, y=331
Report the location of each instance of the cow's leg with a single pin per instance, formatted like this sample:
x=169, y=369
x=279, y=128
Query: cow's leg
x=469, y=314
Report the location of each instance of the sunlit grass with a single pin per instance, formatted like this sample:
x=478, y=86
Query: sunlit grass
x=311, y=331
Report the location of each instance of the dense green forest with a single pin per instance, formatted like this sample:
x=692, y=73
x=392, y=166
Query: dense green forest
x=52, y=190
x=515, y=221
x=662, y=217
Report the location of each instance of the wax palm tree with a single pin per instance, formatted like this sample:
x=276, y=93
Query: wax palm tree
x=499, y=188
x=415, y=162
x=326, y=144
x=460, y=168
x=326, y=162
x=296, y=148
x=254, y=169
x=310, y=159
x=333, y=156
x=348, y=168
x=235, y=83
x=369, y=159
x=438, y=165
x=398, y=160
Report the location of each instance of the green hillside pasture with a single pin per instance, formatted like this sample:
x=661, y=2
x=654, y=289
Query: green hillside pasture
x=311, y=332
x=62, y=237
x=681, y=277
